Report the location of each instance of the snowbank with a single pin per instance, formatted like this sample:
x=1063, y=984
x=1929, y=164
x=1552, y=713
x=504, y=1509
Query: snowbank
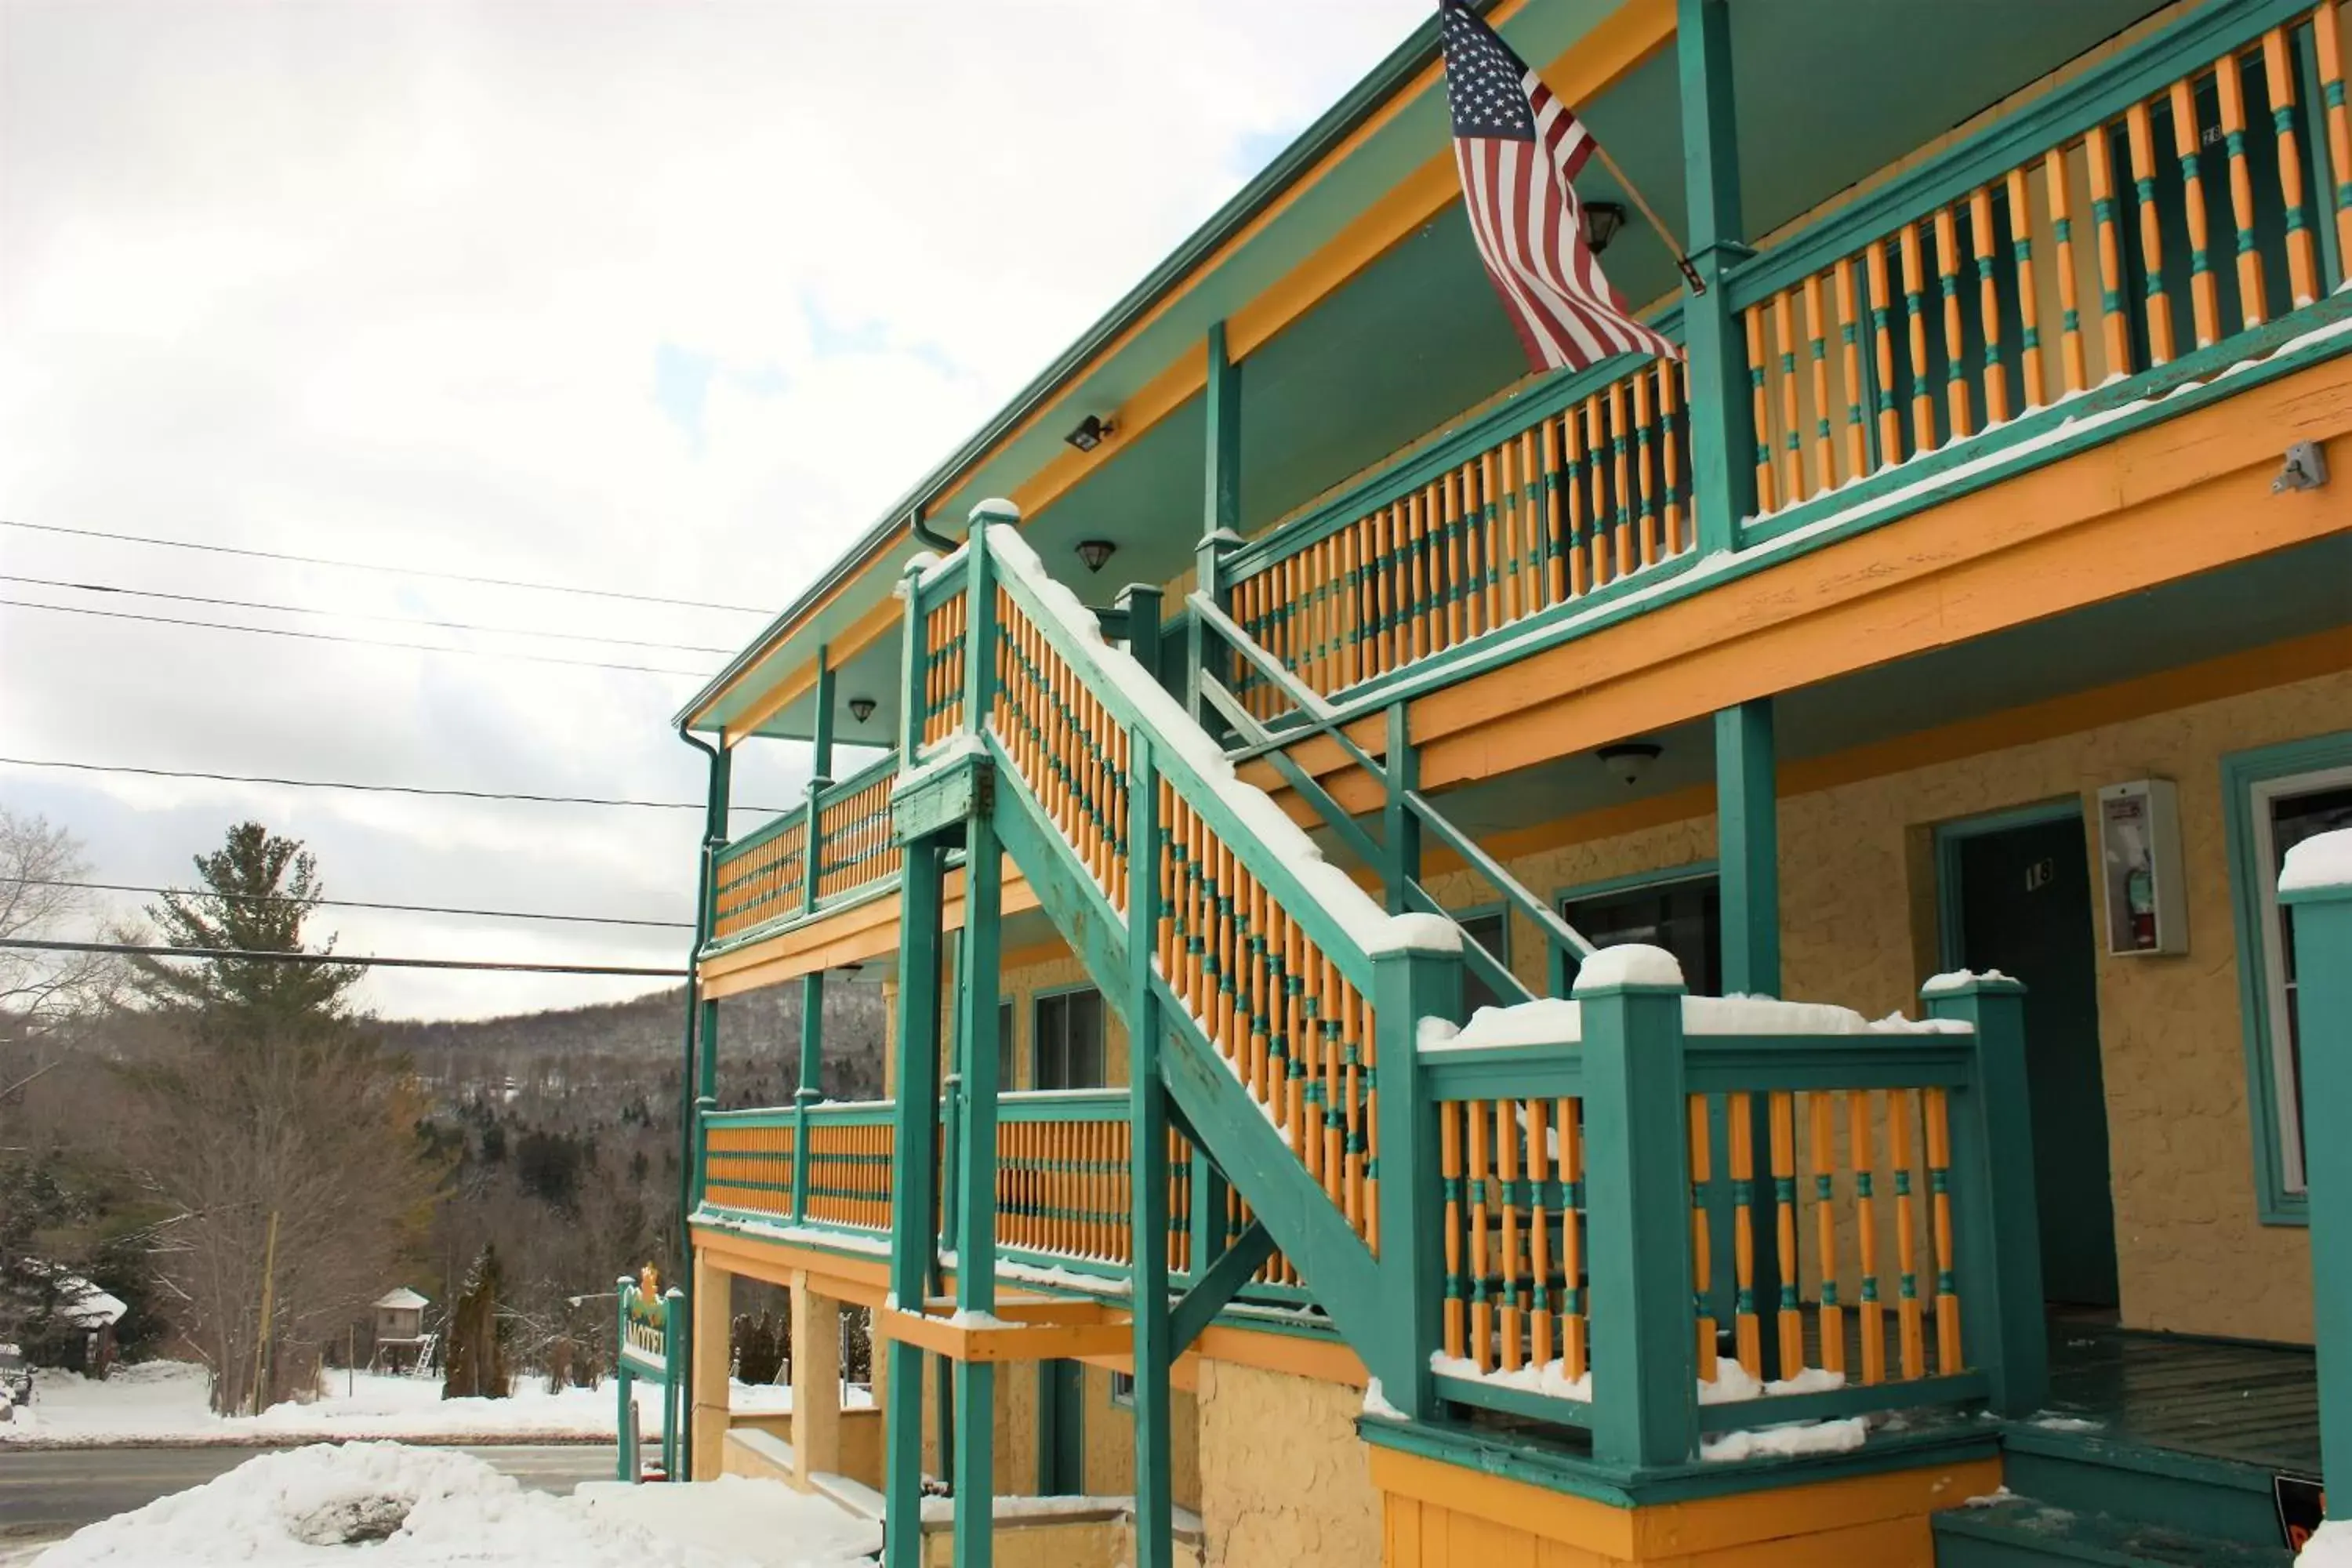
x=428, y=1506
x=2330, y=1548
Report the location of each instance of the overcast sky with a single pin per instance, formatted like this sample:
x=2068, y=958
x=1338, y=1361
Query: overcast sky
x=670, y=297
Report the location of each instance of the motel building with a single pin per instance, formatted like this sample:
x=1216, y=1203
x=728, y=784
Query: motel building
x=1672, y=961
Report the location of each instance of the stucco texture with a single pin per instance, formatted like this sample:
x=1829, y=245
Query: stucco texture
x=1284, y=1478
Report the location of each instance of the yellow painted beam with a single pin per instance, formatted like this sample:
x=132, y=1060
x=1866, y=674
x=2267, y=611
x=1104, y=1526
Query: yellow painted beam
x=854, y=935
x=1023, y=1341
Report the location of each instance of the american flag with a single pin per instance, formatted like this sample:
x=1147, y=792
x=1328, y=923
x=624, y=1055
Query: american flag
x=1520, y=149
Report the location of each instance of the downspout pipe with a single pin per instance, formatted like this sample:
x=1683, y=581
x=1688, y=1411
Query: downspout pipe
x=714, y=837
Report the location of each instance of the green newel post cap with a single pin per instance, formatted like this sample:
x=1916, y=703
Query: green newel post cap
x=2318, y=870
x=995, y=508
x=1629, y=967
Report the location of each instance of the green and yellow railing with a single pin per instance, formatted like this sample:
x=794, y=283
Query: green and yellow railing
x=762, y=879
x=1661, y=1230
x=2160, y=204
x=1567, y=488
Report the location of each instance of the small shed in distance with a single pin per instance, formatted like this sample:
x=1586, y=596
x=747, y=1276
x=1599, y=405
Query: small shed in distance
x=399, y=1329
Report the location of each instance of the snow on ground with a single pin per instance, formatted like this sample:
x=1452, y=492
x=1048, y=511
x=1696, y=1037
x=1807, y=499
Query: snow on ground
x=165, y=1401
x=2330, y=1548
x=421, y=1508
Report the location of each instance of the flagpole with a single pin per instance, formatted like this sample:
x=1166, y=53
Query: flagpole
x=1682, y=255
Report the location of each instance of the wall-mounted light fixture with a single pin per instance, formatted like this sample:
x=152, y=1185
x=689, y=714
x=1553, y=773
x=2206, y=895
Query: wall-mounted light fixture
x=1601, y=222
x=1630, y=760
x=1092, y=431
x=2305, y=468
x=1094, y=551
x=861, y=708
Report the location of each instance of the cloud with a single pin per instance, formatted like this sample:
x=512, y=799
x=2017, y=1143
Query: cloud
x=672, y=297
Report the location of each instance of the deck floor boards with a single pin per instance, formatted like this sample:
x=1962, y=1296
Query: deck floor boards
x=2254, y=1403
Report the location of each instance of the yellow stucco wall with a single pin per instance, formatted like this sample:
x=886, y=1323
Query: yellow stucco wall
x=1858, y=928
x=1111, y=1444
x=1284, y=1478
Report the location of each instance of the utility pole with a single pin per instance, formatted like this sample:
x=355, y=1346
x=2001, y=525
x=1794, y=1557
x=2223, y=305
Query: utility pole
x=268, y=1305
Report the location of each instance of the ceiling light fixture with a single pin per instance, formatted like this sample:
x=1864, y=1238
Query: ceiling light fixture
x=1601, y=222
x=861, y=708
x=1094, y=551
x=1630, y=760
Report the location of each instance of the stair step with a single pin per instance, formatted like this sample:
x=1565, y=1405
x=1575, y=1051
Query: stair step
x=2093, y=1473
x=2025, y=1532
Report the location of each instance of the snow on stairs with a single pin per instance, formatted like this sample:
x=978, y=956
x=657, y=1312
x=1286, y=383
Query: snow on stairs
x=2091, y=1499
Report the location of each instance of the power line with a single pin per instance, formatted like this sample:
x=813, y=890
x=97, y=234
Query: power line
x=352, y=903
x=152, y=950
x=371, y=566
x=376, y=788
x=363, y=642
x=354, y=614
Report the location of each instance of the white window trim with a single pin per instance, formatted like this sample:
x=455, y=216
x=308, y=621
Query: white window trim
x=2260, y=795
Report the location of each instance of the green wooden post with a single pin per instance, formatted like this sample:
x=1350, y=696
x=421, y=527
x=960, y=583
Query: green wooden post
x=625, y=1431
x=1637, y=1176
x=809, y=1085
x=1148, y=1169
x=1222, y=509
x=1721, y=444
x=913, y=1178
x=2319, y=904
x=912, y=655
x=1999, y=1236
x=679, y=1378
x=973, y=1219
x=1141, y=603
x=1747, y=852
x=1408, y=986
x=1399, y=829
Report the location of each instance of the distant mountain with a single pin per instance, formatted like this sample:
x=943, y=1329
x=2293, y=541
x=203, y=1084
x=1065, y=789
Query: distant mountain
x=759, y=1035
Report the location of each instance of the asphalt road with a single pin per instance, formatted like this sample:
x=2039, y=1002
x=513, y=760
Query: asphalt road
x=48, y=1493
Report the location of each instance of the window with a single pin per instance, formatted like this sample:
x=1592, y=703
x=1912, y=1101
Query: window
x=1678, y=911
x=1068, y=1049
x=1122, y=1389
x=1491, y=931
x=2277, y=797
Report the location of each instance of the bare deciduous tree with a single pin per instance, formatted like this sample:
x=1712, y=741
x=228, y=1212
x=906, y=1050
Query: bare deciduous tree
x=43, y=993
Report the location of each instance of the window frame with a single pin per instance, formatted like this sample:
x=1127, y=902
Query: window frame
x=1706, y=870
x=2251, y=780
x=1037, y=1001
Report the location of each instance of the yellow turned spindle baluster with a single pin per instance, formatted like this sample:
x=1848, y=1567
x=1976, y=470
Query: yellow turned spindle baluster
x=1783, y=1106
x=1555, y=556
x=1377, y=655
x=1540, y=1328
x=2327, y=50
x=1793, y=445
x=1606, y=567
x=1832, y=1315
x=2156, y=311
x=1506, y=1158
x=1367, y=1032
x=2204, y=291
x=1642, y=445
x=1960, y=413
x=1817, y=344
x=1494, y=537
x=1571, y=1240
x=1702, y=1166
x=1498, y=470
x=1765, y=503
x=1475, y=560
x=1449, y=1157
x=1232, y=895
x=1996, y=383
x=1413, y=613
x=1882, y=337
x=1915, y=307
x=1620, y=443
x=1670, y=380
x=1533, y=527
x=1446, y=555
x=1902, y=1112
x=1482, y=1310
x=1573, y=533
x=1748, y=1331
x=2278, y=75
x=2029, y=304
x=2230, y=87
x=1939, y=1189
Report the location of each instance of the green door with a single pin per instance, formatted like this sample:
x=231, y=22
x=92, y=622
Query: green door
x=2024, y=902
x=1061, y=1429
